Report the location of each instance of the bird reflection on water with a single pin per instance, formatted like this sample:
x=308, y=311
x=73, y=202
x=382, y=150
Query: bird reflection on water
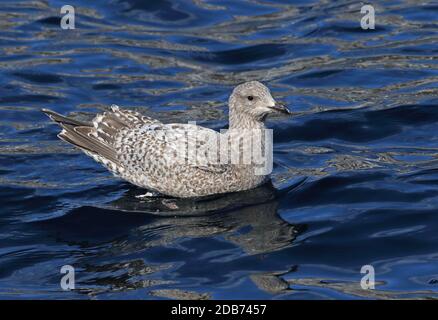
x=246, y=224
x=366, y=135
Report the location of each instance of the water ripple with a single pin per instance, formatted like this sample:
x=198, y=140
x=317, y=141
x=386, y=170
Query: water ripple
x=354, y=175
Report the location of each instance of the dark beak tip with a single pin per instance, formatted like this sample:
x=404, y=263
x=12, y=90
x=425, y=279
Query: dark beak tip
x=282, y=109
x=287, y=111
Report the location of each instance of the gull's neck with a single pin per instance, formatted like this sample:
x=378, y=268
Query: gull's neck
x=240, y=120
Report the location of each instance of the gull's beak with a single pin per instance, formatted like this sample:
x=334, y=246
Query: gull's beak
x=280, y=108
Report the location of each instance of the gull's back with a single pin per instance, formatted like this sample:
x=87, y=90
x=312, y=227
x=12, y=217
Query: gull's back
x=172, y=159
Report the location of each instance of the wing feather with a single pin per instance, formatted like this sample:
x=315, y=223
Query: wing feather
x=99, y=137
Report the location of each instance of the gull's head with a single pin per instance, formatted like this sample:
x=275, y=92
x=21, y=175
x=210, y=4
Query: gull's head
x=255, y=100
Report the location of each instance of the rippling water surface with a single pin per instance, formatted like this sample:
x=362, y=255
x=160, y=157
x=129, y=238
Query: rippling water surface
x=355, y=180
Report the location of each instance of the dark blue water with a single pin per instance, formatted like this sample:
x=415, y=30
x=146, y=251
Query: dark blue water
x=355, y=180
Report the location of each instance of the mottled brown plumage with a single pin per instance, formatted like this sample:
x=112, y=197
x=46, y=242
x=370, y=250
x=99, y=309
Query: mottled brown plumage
x=174, y=159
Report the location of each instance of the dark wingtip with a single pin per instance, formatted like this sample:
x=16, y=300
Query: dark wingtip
x=49, y=113
x=46, y=111
x=59, y=118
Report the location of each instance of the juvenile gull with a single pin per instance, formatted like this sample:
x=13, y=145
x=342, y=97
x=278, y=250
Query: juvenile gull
x=148, y=153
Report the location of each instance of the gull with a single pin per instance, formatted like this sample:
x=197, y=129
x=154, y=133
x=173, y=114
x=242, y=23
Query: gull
x=175, y=159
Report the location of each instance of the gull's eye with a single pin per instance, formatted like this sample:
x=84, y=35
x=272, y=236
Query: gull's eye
x=250, y=98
